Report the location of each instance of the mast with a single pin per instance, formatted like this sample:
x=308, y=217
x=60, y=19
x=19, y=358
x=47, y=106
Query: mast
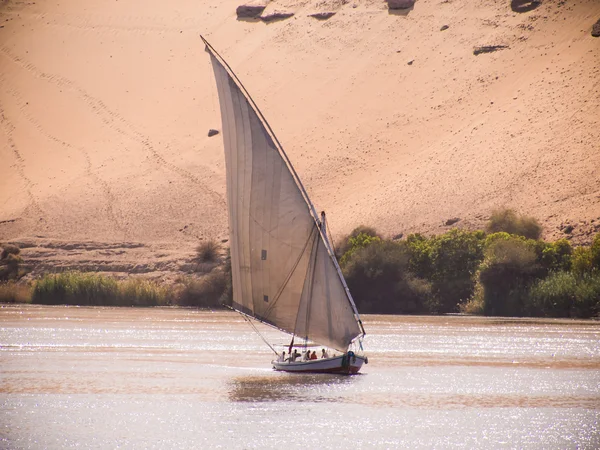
x=323, y=230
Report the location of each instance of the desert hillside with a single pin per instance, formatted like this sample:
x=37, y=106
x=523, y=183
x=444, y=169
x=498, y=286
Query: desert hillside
x=395, y=119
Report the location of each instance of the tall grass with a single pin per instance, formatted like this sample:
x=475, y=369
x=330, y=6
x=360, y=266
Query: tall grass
x=140, y=292
x=76, y=288
x=208, y=252
x=12, y=292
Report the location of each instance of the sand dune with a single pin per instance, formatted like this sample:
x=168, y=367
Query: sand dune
x=389, y=120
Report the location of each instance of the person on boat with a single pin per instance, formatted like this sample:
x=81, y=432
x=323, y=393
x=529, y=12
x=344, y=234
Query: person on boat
x=306, y=355
x=313, y=355
x=295, y=355
x=281, y=357
x=324, y=354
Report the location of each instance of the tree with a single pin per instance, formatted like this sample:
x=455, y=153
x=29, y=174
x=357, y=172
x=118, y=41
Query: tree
x=556, y=256
x=355, y=243
x=380, y=282
x=508, y=269
x=455, y=257
x=344, y=244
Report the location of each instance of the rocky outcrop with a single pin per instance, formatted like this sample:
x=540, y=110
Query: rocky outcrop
x=596, y=29
x=120, y=259
x=522, y=6
x=276, y=15
x=251, y=10
x=400, y=4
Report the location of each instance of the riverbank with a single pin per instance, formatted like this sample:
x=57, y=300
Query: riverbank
x=476, y=272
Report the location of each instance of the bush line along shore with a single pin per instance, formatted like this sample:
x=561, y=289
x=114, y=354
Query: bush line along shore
x=505, y=270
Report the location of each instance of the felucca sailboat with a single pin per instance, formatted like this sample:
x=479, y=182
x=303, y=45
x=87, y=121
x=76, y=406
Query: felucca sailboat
x=284, y=270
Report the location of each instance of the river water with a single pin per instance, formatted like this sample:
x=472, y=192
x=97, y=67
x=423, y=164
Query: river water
x=164, y=378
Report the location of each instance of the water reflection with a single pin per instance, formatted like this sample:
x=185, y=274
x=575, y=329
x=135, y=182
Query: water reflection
x=288, y=387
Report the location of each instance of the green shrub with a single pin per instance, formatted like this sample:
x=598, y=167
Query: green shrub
x=581, y=260
x=509, y=267
x=344, y=244
x=449, y=261
x=420, y=250
x=455, y=257
x=378, y=278
x=355, y=243
x=205, y=292
x=417, y=295
x=586, y=259
x=556, y=256
x=476, y=304
x=564, y=294
x=595, y=252
x=508, y=221
x=587, y=297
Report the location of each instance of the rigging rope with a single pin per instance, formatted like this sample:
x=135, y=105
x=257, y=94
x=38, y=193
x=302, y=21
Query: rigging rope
x=258, y=332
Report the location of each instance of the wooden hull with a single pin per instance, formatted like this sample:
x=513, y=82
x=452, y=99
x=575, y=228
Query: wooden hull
x=340, y=365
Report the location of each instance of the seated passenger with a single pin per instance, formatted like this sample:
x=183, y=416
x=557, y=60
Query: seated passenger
x=313, y=355
x=324, y=354
x=281, y=357
x=306, y=355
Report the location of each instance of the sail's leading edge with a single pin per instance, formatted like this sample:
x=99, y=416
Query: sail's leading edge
x=282, y=272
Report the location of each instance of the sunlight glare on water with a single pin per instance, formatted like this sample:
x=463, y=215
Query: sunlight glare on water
x=181, y=378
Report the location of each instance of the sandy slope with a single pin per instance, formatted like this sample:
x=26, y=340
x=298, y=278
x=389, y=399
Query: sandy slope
x=105, y=108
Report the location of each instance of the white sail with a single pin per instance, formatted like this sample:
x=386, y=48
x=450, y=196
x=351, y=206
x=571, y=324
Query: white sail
x=282, y=272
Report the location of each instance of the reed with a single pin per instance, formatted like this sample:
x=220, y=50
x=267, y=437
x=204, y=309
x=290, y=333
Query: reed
x=77, y=288
x=139, y=292
x=12, y=292
x=208, y=252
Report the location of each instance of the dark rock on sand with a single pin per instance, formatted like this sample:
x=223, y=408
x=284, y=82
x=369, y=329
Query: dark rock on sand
x=251, y=10
x=522, y=6
x=212, y=132
x=322, y=15
x=277, y=15
x=400, y=4
x=488, y=49
x=596, y=29
x=452, y=221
